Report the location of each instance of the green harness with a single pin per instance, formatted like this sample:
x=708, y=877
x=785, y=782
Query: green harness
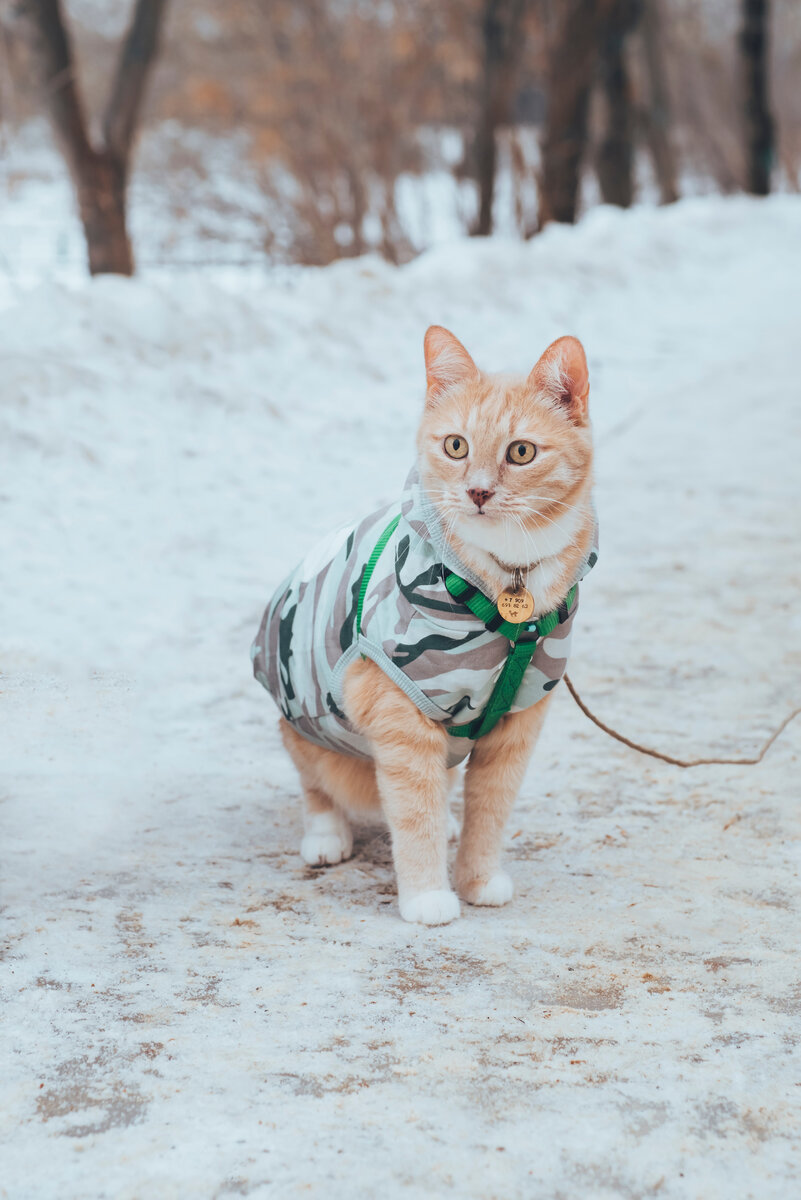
x=523, y=637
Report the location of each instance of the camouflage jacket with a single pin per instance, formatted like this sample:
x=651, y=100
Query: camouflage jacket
x=441, y=655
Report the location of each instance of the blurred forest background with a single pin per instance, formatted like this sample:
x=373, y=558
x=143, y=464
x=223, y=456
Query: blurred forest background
x=185, y=132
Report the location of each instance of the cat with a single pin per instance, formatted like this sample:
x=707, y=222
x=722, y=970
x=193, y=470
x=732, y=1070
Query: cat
x=384, y=646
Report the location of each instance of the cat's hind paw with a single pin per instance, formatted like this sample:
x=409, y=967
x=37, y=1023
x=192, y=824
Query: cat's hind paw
x=328, y=840
x=497, y=891
x=431, y=908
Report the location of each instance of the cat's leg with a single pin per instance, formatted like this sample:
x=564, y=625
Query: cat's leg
x=494, y=774
x=454, y=826
x=327, y=839
x=410, y=755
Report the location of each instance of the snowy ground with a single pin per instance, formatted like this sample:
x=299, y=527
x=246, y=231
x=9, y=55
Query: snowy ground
x=190, y=1012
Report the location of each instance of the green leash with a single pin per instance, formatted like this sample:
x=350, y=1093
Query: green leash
x=523, y=637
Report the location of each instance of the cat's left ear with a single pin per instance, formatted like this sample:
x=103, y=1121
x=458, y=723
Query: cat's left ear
x=562, y=374
x=447, y=362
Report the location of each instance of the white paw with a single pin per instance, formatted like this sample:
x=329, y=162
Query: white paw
x=328, y=840
x=498, y=890
x=431, y=908
x=454, y=828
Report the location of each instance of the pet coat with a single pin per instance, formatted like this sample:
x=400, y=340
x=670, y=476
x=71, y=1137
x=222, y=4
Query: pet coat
x=428, y=642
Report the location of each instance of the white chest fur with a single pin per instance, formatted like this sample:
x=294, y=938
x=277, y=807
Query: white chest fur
x=502, y=540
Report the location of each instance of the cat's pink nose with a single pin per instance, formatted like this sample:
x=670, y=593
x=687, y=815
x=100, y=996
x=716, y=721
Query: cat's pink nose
x=479, y=496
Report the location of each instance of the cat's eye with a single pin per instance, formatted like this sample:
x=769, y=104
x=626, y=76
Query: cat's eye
x=455, y=446
x=521, y=453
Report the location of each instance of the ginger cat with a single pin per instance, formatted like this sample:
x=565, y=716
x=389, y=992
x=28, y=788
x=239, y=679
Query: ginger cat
x=384, y=647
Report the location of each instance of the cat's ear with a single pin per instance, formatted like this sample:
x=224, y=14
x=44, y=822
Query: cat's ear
x=447, y=362
x=562, y=374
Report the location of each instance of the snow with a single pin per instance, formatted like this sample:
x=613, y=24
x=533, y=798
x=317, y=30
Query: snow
x=189, y=1010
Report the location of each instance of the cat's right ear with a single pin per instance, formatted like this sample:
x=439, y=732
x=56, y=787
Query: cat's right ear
x=447, y=362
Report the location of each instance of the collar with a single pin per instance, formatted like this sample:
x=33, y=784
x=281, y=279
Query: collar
x=483, y=608
x=510, y=568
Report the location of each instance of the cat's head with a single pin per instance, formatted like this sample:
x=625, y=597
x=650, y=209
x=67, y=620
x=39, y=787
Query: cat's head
x=506, y=461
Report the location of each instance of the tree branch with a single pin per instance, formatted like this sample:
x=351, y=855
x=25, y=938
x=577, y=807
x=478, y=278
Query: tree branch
x=133, y=67
x=41, y=25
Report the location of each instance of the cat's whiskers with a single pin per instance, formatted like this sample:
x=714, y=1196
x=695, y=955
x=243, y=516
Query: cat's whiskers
x=439, y=498
x=448, y=533
x=551, y=500
x=533, y=512
x=528, y=537
x=543, y=517
x=513, y=511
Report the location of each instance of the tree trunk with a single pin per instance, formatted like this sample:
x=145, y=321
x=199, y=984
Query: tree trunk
x=658, y=111
x=616, y=154
x=100, y=186
x=99, y=173
x=759, y=129
x=571, y=73
x=500, y=32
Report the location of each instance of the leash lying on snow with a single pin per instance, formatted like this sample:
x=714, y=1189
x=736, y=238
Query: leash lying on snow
x=679, y=762
x=524, y=636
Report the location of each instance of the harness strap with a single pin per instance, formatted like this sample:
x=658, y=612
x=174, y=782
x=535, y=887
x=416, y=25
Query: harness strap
x=523, y=636
x=520, y=654
x=503, y=694
x=370, y=567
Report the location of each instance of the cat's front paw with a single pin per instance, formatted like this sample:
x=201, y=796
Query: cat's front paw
x=493, y=892
x=328, y=840
x=431, y=908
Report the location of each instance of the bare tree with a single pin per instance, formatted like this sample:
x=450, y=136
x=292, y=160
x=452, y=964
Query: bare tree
x=616, y=151
x=500, y=29
x=657, y=115
x=99, y=171
x=759, y=128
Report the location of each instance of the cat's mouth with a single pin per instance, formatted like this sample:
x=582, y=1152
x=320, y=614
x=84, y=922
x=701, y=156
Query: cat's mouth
x=484, y=516
x=480, y=510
